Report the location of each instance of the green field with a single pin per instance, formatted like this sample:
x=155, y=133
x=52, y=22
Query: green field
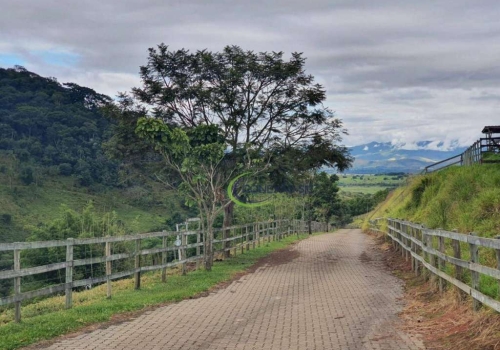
x=361, y=189
x=369, y=184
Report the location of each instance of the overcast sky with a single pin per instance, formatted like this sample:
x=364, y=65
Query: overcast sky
x=393, y=70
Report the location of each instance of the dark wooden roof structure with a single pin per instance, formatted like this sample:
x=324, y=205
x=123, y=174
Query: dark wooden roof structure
x=494, y=129
x=493, y=142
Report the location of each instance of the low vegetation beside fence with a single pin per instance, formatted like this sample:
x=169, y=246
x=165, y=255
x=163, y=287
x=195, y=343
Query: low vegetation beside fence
x=468, y=262
x=118, y=257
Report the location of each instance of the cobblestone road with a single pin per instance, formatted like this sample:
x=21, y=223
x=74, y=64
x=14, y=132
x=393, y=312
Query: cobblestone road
x=334, y=295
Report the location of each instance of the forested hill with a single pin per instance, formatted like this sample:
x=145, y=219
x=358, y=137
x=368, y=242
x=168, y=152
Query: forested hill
x=53, y=162
x=54, y=125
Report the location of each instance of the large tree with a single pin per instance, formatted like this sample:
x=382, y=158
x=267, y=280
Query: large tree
x=258, y=100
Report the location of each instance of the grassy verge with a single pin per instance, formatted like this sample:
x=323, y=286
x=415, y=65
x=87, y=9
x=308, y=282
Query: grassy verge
x=93, y=307
x=444, y=320
x=466, y=199
x=462, y=198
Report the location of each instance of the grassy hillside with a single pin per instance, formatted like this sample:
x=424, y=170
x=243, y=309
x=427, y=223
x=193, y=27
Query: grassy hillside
x=462, y=198
x=139, y=208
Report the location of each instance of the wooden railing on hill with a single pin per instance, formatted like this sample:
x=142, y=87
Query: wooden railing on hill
x=429, y=249
x=188, y=245
x=476, y=154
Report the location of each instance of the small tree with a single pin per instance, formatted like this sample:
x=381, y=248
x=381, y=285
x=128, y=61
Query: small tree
x=325, y=195
x=197, y=158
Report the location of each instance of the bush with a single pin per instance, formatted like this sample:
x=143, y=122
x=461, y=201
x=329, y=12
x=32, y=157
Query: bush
x=22, y=154
x=6, y=218
x=26, y=175
x=65, y=169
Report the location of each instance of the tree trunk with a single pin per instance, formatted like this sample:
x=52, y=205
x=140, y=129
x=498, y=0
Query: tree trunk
x=208, y=248
x=228, y=222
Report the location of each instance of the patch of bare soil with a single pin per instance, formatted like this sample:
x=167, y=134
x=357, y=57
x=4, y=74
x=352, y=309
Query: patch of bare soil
x=278, y=257
x=444, y=320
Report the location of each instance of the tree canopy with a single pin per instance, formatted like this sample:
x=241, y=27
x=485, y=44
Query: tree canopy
x=258, y=100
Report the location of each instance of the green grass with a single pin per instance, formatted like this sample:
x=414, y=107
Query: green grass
x=491, y=156
x=466, y=199
x=463, y=198
x=375, y=180
x=92, y=309
x=361, y=189
x=368, y=184
x=35, y=204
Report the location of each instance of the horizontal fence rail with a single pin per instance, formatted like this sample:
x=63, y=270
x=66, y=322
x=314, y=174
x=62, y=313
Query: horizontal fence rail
x=118, y=257
x=479, y=152
x=434, y=249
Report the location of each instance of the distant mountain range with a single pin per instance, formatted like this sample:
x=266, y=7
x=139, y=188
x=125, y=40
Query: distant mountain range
x=384, y=157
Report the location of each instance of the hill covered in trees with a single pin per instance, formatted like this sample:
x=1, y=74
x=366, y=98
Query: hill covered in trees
x=53, y=152
x=57, y=126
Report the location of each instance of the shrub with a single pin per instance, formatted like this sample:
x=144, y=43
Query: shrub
x=26, y=175
x=65, y=169
x=6, y=218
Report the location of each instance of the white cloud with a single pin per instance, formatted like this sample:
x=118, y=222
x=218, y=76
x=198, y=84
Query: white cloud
x=394, y=71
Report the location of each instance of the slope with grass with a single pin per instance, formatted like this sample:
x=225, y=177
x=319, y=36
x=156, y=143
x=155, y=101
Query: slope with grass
x=463, y=198
x=140, y=209
x=466, y=199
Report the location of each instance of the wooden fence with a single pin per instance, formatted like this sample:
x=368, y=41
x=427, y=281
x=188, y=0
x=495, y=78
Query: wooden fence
x=434, y=249
x=187, y=244
x=477, y=153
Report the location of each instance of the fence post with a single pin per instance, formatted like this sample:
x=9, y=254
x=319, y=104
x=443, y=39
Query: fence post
x=254, y=235
x=247, y=238
x=243, y=239
x=441, y=263
x=268, y=232
x=17, y=284
x=393, y=235
x=137, y=274
x=164, y=259
x=497, y=251
x=402, y=227
x=234, y=242
x=258, y=234
x=69, y=273
x=425, y=255
x=412, y=247
x=108, y=269
x=474, y=258
x=184, y=253
x=458, y=269
x=198, y=251
x=419, y=250
x=432, y=258
x=416, y=249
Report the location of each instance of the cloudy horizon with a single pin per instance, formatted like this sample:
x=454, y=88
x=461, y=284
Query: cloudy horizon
x=394, y=72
